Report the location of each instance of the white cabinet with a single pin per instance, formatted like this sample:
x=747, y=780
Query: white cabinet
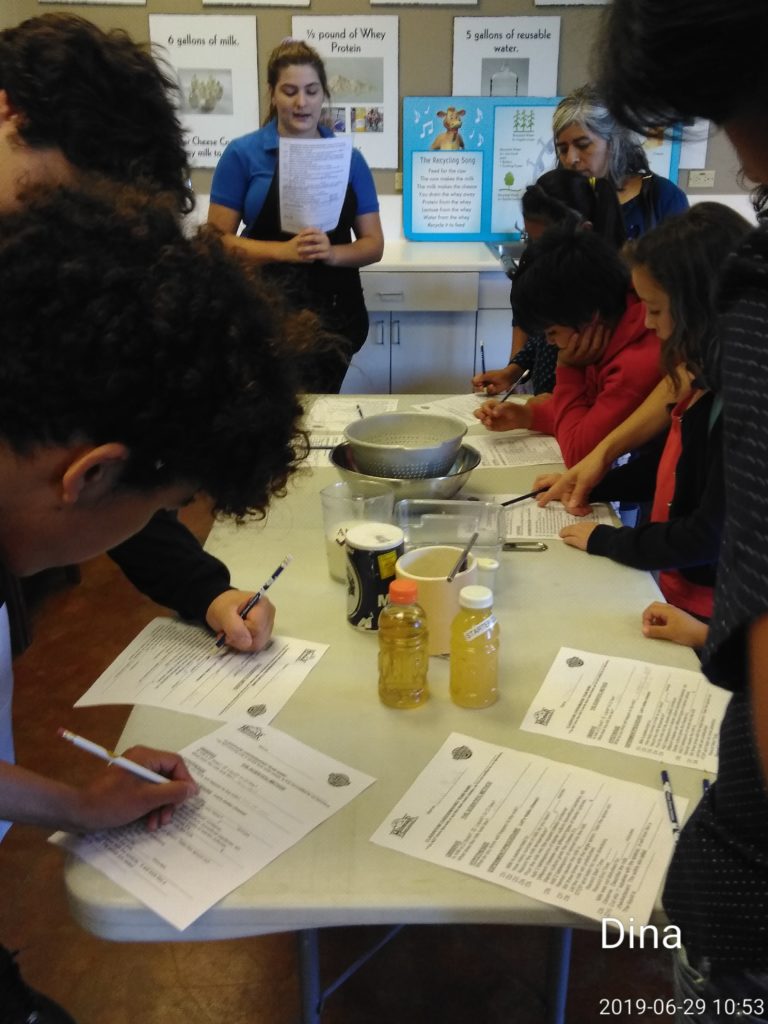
x=407, y=353
x=422, y=333
x=494, y=320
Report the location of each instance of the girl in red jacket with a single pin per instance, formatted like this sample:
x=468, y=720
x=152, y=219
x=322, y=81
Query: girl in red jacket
x=574, y=287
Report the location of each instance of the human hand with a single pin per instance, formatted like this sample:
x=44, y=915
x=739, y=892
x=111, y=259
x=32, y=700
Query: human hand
x=250, y=634
x=116, y=796
x=585, y=347
x=666, y=622
x=573, y=487
x=496, y=381
x=576, y=535
x=313, y=246
x=503, y=415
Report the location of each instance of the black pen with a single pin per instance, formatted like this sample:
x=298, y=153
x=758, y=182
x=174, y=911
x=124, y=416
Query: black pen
x=666, y=785
x=253, y=601
x=523, y=497
x=482, y=357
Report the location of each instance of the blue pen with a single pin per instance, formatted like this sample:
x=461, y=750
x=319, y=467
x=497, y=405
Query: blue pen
x=669, y=797
x=482, y=357
x=705, y=786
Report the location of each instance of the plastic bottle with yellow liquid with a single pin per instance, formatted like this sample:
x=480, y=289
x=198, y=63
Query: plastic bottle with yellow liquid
x=475, y=650
x=403, y=658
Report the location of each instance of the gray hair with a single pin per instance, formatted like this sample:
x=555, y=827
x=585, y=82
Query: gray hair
x=625, y=154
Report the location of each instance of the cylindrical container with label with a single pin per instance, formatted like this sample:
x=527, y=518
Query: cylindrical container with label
x=372, y=551
x=403, y=656
x=475, y=650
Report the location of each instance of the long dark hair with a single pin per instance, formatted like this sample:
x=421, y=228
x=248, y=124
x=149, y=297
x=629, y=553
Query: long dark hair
x=685, y=256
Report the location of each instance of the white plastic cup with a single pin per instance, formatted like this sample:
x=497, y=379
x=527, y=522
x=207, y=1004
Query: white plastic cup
x=430, y=568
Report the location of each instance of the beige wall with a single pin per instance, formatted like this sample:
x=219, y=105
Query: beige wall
x=426, y=47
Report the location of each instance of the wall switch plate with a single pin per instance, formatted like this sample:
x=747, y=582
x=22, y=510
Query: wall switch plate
x=398, y=181
x=701, y=179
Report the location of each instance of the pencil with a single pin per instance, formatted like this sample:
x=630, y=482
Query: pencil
x=109, y=755
x=520, y=380
x=666, y=785
x=253, y=601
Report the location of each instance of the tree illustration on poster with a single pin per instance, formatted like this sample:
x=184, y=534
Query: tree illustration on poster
x=467, y=161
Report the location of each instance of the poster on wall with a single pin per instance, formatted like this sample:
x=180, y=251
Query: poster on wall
x=104, y=3
x=215, y=62
x=361, y=61
x=467, y=161
x=505, y=56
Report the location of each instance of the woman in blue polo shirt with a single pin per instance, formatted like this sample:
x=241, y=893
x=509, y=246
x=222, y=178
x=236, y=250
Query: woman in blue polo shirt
x=315, y=270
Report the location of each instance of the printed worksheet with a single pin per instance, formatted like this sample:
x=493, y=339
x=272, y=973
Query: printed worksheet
x=174, y=665
x=667, y=714
x=331, y=414
x=526, y=519
x=462, y=406
x=516, y=448
x=570, y=837
x=261, y=791
x=313, y=177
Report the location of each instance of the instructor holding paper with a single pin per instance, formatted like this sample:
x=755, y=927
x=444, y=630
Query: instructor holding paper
x=315, y=269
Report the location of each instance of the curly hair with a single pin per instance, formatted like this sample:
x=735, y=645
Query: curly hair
x=685, y=255
x=584, y=106
x=116, y=327
x=567, y=277
x=289, y=53
x=99, y=97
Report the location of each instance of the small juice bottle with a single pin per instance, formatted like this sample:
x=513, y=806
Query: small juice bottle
x=474, y=650
x=403, y=657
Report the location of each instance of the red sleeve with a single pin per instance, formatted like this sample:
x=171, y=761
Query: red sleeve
x=580, y=423
x=543, y=416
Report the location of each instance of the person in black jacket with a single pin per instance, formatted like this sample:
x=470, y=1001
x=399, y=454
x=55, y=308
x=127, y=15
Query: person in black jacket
x=79, y=103
x=675, y=269
x=114, y=404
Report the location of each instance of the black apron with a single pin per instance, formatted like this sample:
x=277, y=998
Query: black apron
x=335, y=294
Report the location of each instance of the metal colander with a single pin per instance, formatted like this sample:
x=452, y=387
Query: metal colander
x=406, y=445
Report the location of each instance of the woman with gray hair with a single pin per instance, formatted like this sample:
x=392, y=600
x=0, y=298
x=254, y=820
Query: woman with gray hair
x=591, y=143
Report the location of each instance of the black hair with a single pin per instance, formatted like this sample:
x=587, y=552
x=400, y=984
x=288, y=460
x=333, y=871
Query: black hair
x=595, y=200
x=685, y=255
x=567, y=277
x=116, y=327
x=665, y=61
x=97, y=96
x=544, y=208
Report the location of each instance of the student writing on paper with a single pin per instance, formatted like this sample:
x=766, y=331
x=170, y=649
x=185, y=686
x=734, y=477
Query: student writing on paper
x=716, y=889
x=574, y=286
x=675, y=270
x=77, y=102
x=540, y=211
x=314, y=269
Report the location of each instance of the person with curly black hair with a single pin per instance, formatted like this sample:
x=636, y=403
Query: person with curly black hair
x=115, y=403
x=95, y=100
x=78, y=103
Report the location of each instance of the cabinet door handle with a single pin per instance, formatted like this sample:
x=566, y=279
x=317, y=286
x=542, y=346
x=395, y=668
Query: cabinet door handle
x=380, y=325
x=394, y=333
x=391, y=296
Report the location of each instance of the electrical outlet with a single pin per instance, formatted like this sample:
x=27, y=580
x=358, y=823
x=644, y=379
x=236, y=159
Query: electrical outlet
x=701, y=179
x=398, y=181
